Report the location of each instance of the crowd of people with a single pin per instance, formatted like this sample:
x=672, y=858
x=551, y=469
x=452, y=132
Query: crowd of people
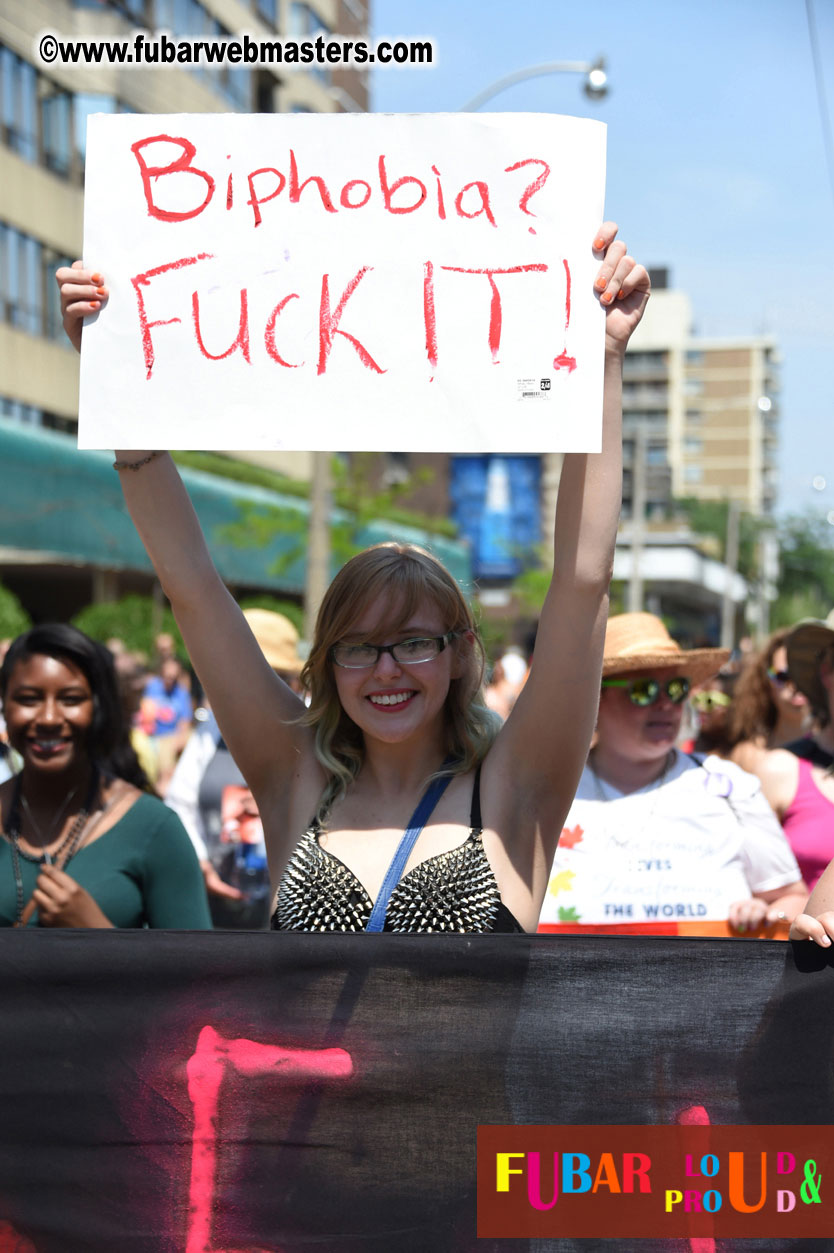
x=376, y=786
x=716, y=824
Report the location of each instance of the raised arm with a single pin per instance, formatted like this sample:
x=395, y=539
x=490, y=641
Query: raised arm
x=542, y=748
x=255, y=710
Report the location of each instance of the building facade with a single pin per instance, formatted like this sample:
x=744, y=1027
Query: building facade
x=705, y=411
x=43, y=115
x=42, y=141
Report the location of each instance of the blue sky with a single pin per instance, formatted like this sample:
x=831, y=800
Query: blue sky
x=716, y=159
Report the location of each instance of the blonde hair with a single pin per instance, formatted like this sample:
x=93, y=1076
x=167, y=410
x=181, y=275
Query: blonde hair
x=404, y=577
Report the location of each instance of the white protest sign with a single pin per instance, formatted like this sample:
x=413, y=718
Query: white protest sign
x=343, y=281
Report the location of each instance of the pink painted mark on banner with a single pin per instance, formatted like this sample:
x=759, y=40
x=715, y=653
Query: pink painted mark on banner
x=697, y=1116
x=206, y=1070
x=12, y=1242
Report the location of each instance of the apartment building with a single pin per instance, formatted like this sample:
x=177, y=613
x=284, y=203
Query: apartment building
x=705, y=410
x=62, y=542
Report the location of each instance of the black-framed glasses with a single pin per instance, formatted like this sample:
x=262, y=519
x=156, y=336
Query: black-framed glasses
x=407, y=652
x=644, y=692
x=779, y=677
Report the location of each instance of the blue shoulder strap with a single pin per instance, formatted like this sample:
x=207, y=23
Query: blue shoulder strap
x=418, y=820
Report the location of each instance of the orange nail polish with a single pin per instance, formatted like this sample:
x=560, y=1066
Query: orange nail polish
x=607, y=298
x=599, y=244
x=97, y=278
x=102, y=291
x=95, y=304
x=601, y=283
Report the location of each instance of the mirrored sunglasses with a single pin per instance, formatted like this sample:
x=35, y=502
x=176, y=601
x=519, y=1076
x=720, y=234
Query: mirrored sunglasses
x=406, y=652
x=705, y=702
x=644, y=692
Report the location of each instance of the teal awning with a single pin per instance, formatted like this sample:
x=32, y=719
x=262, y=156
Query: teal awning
x=59, y=504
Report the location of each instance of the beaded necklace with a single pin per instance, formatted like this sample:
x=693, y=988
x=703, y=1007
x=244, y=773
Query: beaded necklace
x=65, y=851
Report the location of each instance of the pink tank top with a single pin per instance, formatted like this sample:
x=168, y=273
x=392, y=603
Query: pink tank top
x=809, y=825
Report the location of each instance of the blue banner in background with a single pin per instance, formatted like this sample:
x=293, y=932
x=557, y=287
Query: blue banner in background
x=496, y=503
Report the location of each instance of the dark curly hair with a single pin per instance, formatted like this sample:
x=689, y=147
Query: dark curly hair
x=108, y=740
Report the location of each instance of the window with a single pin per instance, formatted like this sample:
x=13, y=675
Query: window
x=53, y=322
x=16, y=411
x=56, y=128
x=694, y=417
x=19, y=261
x=268, y=10
x=694, y=357
x=41, y=121
x=305, y=23
x=84, y=104
x=19, y=97
x=693, y=473
x=30, y=299
x=656, y=455
x=693, y=447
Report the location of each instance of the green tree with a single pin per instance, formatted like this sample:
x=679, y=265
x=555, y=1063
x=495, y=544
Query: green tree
x=13, y=617
x=353, y=492
x=131, y=619
x=806, y=570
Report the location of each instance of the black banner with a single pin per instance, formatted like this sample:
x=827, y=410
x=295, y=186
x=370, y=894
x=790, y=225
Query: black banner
x=166, y=1092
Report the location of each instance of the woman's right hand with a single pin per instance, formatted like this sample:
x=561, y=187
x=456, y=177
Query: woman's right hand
x=82, y=292
x=820, y=929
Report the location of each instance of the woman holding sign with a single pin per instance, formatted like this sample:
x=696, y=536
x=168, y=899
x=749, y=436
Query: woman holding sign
x=397, y=738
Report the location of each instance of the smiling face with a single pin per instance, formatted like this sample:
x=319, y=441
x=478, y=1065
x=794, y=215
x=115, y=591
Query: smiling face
x=392, y=701
x=49, y=712
x=637, y=734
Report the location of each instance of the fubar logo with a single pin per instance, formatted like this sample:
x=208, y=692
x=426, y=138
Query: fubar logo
x=646, y=1182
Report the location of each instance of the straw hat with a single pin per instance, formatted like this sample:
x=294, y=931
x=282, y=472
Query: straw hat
x=805, y=644
x=640, y=641
x=277, y=637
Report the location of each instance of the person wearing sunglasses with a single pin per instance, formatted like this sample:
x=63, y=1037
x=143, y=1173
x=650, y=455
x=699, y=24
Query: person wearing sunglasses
x=396, y=738
x=658, y=840
x=711, y=704
x=768, y=710
x=799, y=779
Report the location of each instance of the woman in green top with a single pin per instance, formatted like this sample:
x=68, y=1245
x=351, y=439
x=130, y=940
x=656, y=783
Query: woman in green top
x=84, y=845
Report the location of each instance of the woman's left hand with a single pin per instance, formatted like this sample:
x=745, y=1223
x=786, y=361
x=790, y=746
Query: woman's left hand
x=747, y=915
x=622, y=287
x=62, y=902
x=757, y=911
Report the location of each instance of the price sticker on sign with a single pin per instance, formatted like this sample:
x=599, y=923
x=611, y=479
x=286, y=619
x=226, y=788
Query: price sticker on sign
x=358, y=282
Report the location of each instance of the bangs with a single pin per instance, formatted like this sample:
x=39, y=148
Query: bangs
x=403, y=581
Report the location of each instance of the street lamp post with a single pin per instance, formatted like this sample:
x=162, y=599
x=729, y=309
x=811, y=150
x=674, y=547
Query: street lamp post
x=596, y=80
x=595, y=87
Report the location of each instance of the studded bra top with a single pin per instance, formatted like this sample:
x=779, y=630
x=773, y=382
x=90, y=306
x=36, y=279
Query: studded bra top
x=454, y=891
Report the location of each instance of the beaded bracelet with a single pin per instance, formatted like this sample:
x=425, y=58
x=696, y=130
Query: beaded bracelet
x=137, y=465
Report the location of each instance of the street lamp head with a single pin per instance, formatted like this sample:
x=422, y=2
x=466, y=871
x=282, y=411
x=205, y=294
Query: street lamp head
x=596, y=84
